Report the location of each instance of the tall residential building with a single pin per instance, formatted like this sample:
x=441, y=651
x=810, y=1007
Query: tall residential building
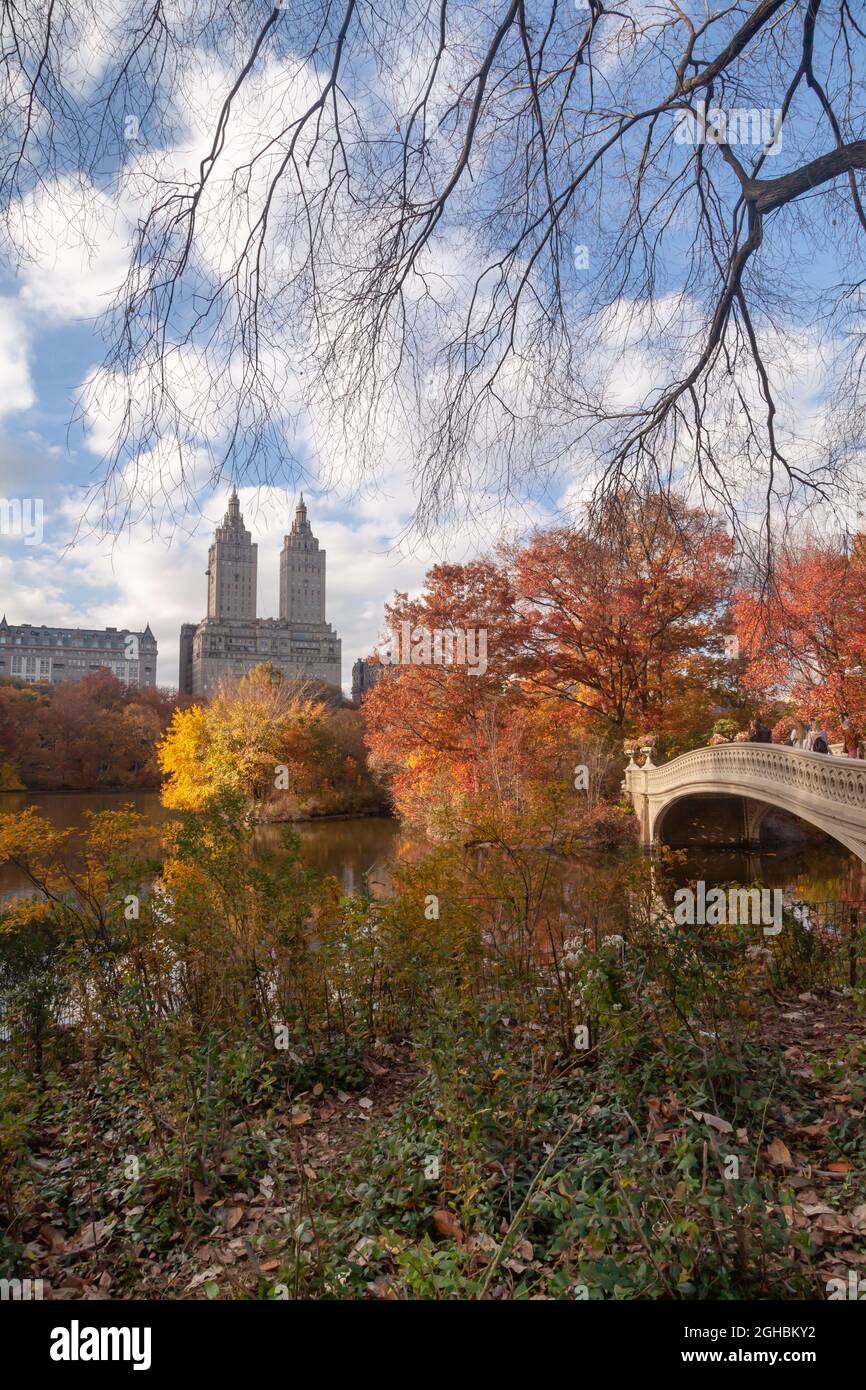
x=187, y=638
x=302, y=573
x=232, y=565
x=53, y=654
x=231, y=640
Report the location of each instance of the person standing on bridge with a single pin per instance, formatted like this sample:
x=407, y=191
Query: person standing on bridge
x=797, y=737
x=816, y=739
x=759, y=732
x=852, y=741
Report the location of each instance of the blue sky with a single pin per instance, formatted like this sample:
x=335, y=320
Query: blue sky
x=139, y=578
x=78, y=236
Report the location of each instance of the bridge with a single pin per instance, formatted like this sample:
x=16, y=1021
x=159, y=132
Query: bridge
x=826, y=791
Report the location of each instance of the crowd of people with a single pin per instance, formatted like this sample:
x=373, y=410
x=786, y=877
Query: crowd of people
x=811, y=736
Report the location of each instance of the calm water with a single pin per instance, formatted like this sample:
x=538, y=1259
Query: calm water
x=348, y=849
x=351, y=850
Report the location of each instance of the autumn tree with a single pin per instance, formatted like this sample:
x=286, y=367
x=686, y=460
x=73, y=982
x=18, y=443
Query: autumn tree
x=625, y=616
x=251, y=729
x=469, y=749
x=803, y=637
x=77, y=913
x=85, y=734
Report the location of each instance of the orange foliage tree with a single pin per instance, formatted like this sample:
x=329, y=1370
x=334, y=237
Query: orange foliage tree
x=79, y=735
x=804, y=639
x=626, y=617
x=434, y=727
x=590, y=633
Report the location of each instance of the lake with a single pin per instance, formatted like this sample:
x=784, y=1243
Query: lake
x=358, y=848
x=348, y=849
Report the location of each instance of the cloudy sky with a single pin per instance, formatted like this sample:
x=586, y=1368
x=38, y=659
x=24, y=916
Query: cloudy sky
x=48, y=347
x=52, y=446
x=139, y=578
x=68, y=254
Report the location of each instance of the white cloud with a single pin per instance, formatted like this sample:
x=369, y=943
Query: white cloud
x=78, y=243
x=16, y=387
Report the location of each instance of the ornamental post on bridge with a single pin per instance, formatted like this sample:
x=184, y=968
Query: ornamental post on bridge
x=635, y=785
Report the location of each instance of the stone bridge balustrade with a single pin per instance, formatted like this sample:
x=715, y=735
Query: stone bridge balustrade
x=828, y=792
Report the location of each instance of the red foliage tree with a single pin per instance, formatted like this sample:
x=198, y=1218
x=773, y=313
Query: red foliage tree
x=587, y=633
x=804, y=639
x=625, y=618
x=96, y=732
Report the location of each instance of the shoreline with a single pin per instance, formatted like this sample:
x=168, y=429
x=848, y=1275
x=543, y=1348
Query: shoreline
x=154, y=791
x=331, y=815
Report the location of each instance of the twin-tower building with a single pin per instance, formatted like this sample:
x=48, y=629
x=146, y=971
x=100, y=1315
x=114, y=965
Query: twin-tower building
x=232, y=640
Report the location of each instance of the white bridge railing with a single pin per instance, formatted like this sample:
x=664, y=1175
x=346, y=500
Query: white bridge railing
x=826, y=790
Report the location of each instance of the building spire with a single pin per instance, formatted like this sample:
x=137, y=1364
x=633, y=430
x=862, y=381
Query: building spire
x=232, y=562
x=233, y=515
x=301, y=525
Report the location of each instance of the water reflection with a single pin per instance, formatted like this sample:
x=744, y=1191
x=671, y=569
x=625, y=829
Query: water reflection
x=353, y=851
x=819, y=873
x=358, y=850
x=350, y=850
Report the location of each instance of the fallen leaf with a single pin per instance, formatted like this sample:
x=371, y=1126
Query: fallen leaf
x=380, y=1288
x=447, y=1225
x=204, y=1275
x=53, y=1238
x=373, y=1067
x=232, y=1216
x=714, y=1121
x=92, y=1233
x=834, y=1222
x=779, y=1154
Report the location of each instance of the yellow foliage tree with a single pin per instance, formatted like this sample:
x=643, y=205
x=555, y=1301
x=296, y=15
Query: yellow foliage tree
x=182, y=757
x=257, y=734
x=9, y=779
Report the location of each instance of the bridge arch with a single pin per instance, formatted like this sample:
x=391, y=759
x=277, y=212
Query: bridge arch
x=827, y=792
x=748, y=815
